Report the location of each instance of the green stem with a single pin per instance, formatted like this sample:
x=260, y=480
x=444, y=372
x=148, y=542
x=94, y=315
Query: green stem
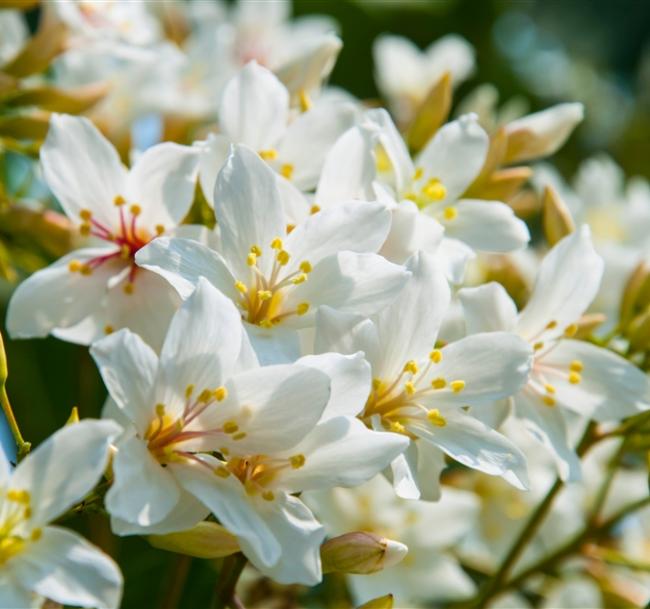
x=224, y=591
x=178, y=577
x=23, y=447
x=494, y=585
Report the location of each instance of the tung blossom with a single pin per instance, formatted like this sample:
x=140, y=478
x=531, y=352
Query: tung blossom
x=39, y=561
x=211, y=431
x=98, y=289
x=279, y=274
x=567, y=375
x=429, y=394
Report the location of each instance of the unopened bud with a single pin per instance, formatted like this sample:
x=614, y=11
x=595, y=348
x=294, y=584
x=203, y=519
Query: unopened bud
x=588, y=323
x=205, y=540
x=636, y=294
x=556, y=217
x=361, y=553
x=638, y=331
x=381, y=602
x=431, y=114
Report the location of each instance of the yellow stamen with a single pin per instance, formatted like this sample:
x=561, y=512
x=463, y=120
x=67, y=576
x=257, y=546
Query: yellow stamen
x=221, y=471
x=86, y=215
x=220, y=394
x=265, y=295
x=160, y=229
x=239, y=436
x=299, y=279
x=450, y=213
x=409, y=387
x=189, y=390
x=268, y=496
x=119, y=201
x=269, y=155
x=302, y=308
x=539, y=345
x=239, y=285
x=283, y=257
x=549, y=388
x=251, y=259
x=435, y=190
x=304, y=99
x=548, y=400
x=305, y=267
x=457, y=386
x=570, y=330
x=435, y=356
x=314, y=209
x=74, y=266
x=418, y=173
x=297, y=461
x=286, y=171
x=438, y=383
x=411, y=366
x=576, y=365
x=574, y=378
x=435, y=418
x=108, y=329
x=276, y=244
x=230, y=427
x=128, y=288
x=257, y=250
x=135, y=209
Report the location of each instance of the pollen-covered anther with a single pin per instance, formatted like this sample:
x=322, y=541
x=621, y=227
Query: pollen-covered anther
x=36, y=534
x=221, y=471
x=19, y=496
x=135, y=209
x=438, y=383
x=240, y=286
x=251, y=259
x=160, y=410
x=576, y=366
x=86, y=269
x=457, y=386
x=277, y=244
x=376, y=384
x=297, y=461
x=206, y=396
x=128, y=288
x=268, y=496
x=305, y=267
x=85, y=228
x=548, y=400
x=268, y=155
x=189, y=390
x=85, y=215
x=418, y=173
x=283, y=257
x=434, y=190
x=298, y=279
x=239, y=436
x=265, y=295
x=551, y=325
x=574, y=378
x=435, y=356
x=304, y=100
x=160, y=229
x=74, y=266
x=286, y=171
x=549, y=388
x=409, y=387
x=119, y=201
x=435, y=418
x=230, y=427
x=450, y=213
x=538, y=345
x=411, y=366
x=397, y=427
x=302, y=308
x=220, y=394
x=108, y=329
x=570, y=330
x=314, y=209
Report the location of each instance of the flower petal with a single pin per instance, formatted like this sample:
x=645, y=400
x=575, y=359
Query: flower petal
x=82, y=168
x=64, y=567
x=213, y=153
x=488, y=308
x=567, y=282
x=162, y=182
x=254, y=108
x=65, y=467
x=128, y=367
x=488, y=226
x=341, y=452
x=143, y=492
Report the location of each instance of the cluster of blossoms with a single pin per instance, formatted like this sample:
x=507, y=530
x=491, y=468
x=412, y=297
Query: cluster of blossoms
x=288, y=297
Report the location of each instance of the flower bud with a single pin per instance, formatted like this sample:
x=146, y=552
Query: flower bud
x=556, y=217
x=636, y=294
x=360, y=553
x=432, y=113
x=205, y=540
x=638, y=331
x=588, y=323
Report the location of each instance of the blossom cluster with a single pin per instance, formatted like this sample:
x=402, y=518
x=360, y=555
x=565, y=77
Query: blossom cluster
x=293, y=301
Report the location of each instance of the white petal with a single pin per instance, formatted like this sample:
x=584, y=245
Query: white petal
x=350, y=381
x=451, y=53
x=403, y=472
x=182, y=262
x=431, y=462
x=611, y=388
x=213, y=154
x=128, y=367
x=254, y=108
x=454, y=256
x=248, y=207
x=56, y=297
x=567, y=282
x=346, y=333
x=342, y=452
x=487, y=378
x=399, y=64
x=410, y=231
x=162, y=182
x=201, y=347
x=357, y=227
x=65, y=467
x=349, y=169
x=143, y=491
x=310, y=137
x=64, y=567
x=15, y=596
x=82, y=168
x=420, y=308
x=488, y=308
x=547, y=425
x=277, y=345
x=475, y=445
x=455, y=155
x=488, y=226
x=227, y=499
x=276, y=406
x=299, y=535
x=351, y=282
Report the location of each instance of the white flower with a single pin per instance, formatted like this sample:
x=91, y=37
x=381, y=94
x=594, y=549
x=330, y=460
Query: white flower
x=98, y=289
x=279, y=274
x=429, y=394
x=13, y=33
x=430, y=530
x=566, y=374
x=405, y=74
x=255, y=111
x=39, y=561
x=207, y=395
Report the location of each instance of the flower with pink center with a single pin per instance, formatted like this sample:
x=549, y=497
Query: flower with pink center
x=98, y=289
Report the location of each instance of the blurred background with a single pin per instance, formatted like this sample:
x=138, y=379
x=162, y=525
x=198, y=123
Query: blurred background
x=535, y=53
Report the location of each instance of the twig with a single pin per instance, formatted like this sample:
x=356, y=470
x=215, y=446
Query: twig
x=224, y=591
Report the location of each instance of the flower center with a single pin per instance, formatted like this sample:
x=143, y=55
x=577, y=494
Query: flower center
x=425, y=191
x=262, y=297
x=14, y=535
